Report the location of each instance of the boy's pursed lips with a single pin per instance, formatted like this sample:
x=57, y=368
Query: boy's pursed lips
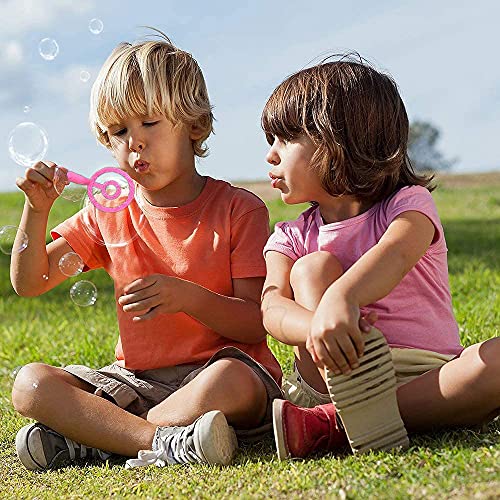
x=141, y=165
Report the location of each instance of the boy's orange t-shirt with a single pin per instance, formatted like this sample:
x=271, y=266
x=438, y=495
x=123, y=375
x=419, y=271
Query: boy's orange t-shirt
x=217, y=237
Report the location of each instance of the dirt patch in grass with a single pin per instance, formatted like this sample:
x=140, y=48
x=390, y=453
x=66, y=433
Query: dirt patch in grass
x=264, y=190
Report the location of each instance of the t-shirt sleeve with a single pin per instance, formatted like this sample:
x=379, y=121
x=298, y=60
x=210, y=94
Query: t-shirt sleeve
x=419, y=199
x=285, y=241
x=249, y=233
x=77, y=232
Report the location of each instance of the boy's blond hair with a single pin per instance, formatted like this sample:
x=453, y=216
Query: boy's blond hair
x=147, y=78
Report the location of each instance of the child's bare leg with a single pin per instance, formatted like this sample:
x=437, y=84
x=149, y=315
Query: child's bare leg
x=64, y=403
x=228, y=385
x=465, y=391
x=311, y=275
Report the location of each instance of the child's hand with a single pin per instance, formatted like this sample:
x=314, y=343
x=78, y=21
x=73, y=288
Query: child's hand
x=335, y=340
x=38, y=185
x=152, y=295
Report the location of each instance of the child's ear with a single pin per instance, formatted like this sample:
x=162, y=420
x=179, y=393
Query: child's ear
x=195, y=131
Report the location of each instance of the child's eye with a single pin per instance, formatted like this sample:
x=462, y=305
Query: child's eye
x=150, y=124
x=119, y=132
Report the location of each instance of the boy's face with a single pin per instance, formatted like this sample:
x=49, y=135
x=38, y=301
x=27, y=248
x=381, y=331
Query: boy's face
x=291, y=172
x=154, y=152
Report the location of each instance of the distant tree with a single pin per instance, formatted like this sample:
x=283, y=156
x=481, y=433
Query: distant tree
x=422, y=148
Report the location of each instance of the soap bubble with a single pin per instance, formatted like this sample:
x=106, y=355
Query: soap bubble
x=28, y=143
x=12, y=240
x=48, y=49
x=83, y=293
x=66, y=189
x=26, y=109
x=96, y=26
x=71, y=264
x=84, y=76
x=15, y=371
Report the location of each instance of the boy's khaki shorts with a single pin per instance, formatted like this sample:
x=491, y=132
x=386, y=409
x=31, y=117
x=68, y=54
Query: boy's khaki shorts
x=139, y=391
x=408, y=365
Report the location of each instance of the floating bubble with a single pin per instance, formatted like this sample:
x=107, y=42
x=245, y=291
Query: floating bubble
x=12, y=240
x=14, y=372
x=26, y=109
x=83, y=293
x=71, y=264
x=45, y=277
x=96, y=26
x=66, y=189
x=84, y=76
x=48, y=49
x=28, y=143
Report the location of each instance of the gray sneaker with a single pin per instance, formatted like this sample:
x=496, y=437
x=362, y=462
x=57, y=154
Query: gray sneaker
x=40, y=448
x=209, y=439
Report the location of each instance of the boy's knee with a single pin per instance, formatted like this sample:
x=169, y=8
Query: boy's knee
x=26, y=388
x=315, y=267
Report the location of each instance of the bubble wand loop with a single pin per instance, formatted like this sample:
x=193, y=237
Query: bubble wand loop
x=109, y=194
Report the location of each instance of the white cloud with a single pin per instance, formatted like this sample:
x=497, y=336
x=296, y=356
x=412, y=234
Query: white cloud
x=22, y=16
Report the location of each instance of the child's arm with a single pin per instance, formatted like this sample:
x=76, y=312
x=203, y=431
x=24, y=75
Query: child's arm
x=237, y=317
x=283, y=318
x=35, y=270
x=334, y=328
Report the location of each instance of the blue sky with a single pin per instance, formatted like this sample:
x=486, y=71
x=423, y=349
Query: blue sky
x=443, y=55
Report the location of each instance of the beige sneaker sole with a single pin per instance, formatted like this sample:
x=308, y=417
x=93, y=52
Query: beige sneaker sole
x=366, y=399
x=216, y=439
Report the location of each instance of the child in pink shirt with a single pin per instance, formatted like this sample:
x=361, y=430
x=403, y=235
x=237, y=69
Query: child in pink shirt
x=369, y=251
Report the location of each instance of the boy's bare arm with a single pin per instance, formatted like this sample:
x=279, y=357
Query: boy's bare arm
x=237, y=317
x=35, y=270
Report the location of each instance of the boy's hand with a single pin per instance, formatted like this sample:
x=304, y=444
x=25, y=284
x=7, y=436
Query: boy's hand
x=38, y=185
x=335, y=340
x=152, y=295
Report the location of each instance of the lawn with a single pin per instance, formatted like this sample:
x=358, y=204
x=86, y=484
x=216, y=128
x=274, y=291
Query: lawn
x=454, y=464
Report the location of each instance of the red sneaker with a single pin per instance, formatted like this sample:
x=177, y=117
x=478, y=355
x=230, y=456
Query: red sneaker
x=298, y=431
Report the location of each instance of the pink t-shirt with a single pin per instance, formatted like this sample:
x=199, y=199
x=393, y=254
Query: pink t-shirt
x=418, y=312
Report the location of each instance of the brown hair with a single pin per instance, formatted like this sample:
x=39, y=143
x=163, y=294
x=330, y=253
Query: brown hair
x=357, y=120
x=151, y=77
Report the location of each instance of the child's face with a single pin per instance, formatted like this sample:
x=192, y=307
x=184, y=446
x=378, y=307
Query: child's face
x=291, y=172
x=153, y=151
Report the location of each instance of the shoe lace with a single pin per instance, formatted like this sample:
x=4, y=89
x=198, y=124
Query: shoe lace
x=175, y=448
x=84, y=451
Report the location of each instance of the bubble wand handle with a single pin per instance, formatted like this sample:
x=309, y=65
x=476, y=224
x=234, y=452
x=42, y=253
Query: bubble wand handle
x=81, y=179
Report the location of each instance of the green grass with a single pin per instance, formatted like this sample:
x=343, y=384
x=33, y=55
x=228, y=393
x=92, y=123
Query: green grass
x=461, y=464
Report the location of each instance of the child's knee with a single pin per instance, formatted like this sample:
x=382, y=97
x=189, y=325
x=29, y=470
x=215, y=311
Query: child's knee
x=314, y=268
x=29, y=381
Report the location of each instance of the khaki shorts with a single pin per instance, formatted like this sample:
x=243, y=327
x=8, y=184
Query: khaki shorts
x=139, y=391
x=408, y=365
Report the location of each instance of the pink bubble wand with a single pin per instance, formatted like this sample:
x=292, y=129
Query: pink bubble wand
x=109, y=194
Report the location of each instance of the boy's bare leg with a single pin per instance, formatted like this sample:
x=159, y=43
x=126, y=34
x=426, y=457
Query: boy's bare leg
x=228, y=385
x=311, y=275
x=463, y=392
x=63, y=402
